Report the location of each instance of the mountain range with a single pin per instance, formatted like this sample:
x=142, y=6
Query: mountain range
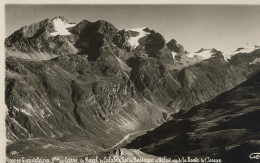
x=85, y=88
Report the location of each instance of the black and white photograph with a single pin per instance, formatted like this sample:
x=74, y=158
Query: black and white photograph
x=131, y=83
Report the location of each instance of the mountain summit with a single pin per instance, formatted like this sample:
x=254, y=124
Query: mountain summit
x=60, y=26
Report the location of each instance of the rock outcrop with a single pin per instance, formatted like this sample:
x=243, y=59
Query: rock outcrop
x=174, y=46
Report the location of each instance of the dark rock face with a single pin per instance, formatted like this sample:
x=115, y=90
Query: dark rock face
x=228, y=125
x=120, y=40
x=93, y=88
x=177, y=48
x=94, y=37
x=153, y=44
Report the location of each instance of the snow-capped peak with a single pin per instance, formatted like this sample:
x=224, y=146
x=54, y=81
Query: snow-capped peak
x=133, y=40
x=61, y=26
x=246, y=49
x=202, y=53
x=241, y=50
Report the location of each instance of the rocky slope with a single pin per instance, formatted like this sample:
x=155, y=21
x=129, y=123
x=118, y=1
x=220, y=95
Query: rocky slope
x=91, y=82
x=226, y=127
x=72, y=97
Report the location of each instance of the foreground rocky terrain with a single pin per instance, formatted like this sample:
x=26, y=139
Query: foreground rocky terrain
x=80, y=89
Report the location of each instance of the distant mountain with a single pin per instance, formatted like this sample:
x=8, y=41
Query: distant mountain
x=226, y=127
x=245, y=50
x=203, y=53
x=89, y=85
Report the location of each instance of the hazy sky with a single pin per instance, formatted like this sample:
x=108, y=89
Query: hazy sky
x=194, y=26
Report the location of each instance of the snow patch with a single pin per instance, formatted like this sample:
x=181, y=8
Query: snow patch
x=205, y=54
x=133, y=41
x=173, y=55
x=9, y=142
x=42, y=113
x=30, y=108
x=17, y=123
x=42, y=129
x=26, y=112
x=22, y=110
x=47, y=146
x=241, y=50
x=15, y=108
x=13, y=153
x=114, y=45
x=227, y=56
x=123, y=65
x=61, y=27
x=257, y=60
x=246, y=50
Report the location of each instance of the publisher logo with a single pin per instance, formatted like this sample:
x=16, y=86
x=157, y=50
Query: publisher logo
x=254, y=156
